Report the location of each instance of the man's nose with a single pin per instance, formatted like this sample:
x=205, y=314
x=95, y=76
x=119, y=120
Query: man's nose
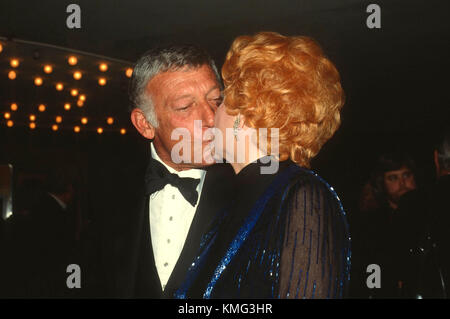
x=208, y=113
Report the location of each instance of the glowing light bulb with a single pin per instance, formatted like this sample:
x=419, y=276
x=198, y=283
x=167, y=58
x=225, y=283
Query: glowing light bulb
x=72, y=60
x=77, y=75
x=67, y=106
x=129, y=72
x=32, y=117
x=41, y=107
x=82, y=97
x=76, y=129
x=110, y=120
x=123, y=131
x=58, y=119
x=84, y=120
x=48, y=69
x=14, y=63
x=74, y=92
x=99, y=130
x=80, y=103
x=54, y=127
x=1, y=48
x=103, y=67
x=59, y=86
x=12, y=75
x=10, y=123
x=102, y=81
x=32, y=126
x=7, y=115
x=38, y=81
x=14, y=107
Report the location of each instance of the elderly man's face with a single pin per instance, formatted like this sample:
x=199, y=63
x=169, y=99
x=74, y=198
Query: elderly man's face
x=180, y=98
x=399, y=182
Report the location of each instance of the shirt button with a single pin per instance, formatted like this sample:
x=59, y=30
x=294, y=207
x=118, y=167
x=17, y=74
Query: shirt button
x=166, y=264
x=170, y=218
x=173, y=196
x=168, y=241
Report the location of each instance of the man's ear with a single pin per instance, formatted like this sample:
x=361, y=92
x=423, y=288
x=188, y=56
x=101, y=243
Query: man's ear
x=141, y=124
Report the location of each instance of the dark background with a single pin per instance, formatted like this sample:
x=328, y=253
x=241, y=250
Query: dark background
x=395, y=78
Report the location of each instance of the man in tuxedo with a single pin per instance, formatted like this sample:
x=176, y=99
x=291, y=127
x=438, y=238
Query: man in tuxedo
x=170, y=205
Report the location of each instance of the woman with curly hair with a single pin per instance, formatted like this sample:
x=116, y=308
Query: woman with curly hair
x=285, y=235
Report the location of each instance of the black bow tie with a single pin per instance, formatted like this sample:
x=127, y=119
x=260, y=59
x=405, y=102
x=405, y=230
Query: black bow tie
x=157, y=176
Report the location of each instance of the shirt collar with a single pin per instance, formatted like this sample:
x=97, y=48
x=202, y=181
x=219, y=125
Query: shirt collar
x=193, y=172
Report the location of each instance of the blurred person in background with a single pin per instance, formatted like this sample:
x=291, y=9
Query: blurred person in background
x=396, y=230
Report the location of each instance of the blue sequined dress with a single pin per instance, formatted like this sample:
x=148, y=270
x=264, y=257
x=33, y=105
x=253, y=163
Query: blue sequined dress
x=284, y=236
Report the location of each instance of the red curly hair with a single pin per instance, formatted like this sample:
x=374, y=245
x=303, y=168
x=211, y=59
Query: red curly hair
x=284, y=82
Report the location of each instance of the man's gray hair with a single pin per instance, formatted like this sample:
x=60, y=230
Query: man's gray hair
x=443, y=149
x=162, y=59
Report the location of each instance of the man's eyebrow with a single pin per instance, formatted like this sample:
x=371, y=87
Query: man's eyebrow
x=182, y=97
x=216, y=87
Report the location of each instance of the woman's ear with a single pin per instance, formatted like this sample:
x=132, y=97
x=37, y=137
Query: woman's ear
x=141, y=124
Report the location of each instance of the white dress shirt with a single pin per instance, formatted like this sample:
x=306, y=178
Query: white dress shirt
x=170, y=219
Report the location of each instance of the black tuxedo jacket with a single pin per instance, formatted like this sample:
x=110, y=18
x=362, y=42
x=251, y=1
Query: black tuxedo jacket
x=124, y=264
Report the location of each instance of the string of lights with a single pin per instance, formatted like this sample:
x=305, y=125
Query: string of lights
x=71, y=83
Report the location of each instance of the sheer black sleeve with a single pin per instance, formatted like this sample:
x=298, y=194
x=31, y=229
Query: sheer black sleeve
x=316, y=250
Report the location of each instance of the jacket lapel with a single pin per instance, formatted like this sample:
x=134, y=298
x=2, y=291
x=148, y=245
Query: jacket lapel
x=135, y=270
